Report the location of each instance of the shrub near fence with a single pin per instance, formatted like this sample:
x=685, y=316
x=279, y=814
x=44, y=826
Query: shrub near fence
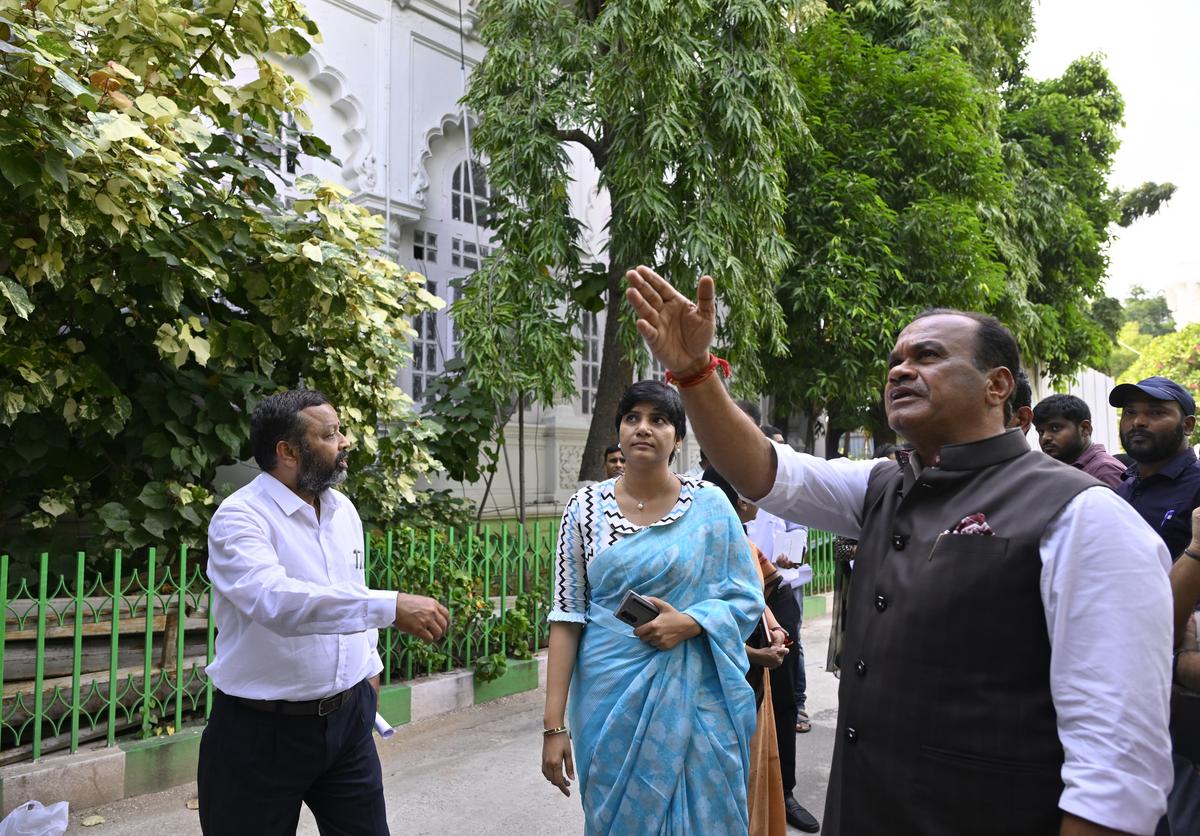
x=100, y=653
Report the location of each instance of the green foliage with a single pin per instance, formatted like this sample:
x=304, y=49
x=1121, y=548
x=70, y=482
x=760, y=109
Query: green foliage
x=470, y=575
x=1060, y=137
x=1176, y=356
x=154, y=284
x=683, y=109
x=1143, y=201
x=1131, y=342
x=991, y=35
x=883, y=213
x=1151, y=313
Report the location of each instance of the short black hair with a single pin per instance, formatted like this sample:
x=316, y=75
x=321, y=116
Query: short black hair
x=610, y=449
x=711, y=475
x=882, y=451
x=1022, y=395
x=661, y=396
x=277, y=418
x=1069, y=407
x=770, y=431
x=751, y=409
x=995, y=345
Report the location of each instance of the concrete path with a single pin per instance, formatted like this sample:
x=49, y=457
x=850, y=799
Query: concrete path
x=477, y=771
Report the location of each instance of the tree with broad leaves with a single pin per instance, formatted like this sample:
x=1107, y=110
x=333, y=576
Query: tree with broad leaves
x=154, y=283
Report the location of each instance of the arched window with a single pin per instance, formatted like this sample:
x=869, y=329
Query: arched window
x=469, y=194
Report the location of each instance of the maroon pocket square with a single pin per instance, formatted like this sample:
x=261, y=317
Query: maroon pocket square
x=973, y=524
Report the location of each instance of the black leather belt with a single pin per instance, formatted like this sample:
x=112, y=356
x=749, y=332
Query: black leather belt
x=310, y=708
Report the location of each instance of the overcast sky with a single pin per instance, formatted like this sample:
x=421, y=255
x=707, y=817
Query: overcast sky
x=1150, y=52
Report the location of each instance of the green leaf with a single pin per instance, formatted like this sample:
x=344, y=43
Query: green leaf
x=154, y=495
x=115, y=516
x=16, y=296
x=18, y=167
x=157, y=446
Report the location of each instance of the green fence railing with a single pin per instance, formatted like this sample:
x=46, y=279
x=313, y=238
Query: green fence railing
x=91, y=654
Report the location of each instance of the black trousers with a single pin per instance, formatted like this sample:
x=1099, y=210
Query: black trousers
x=783, y=687
x=257, y=767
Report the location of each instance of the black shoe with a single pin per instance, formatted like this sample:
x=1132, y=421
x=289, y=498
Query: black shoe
x=798, y=817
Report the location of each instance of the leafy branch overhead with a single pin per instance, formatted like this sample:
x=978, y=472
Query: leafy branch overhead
x=681, y=111
x=154, y=282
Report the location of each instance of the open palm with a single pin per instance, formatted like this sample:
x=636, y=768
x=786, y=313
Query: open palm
x=677, y=332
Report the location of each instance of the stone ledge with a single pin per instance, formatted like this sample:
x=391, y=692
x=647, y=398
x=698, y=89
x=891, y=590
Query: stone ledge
x=98, y=775
x=87, y=778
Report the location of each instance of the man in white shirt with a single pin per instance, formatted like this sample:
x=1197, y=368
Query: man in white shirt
x=296, y=672
x=1036, y=700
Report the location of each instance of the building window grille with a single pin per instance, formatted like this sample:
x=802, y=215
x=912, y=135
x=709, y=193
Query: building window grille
x=425, y=246
x=425, y=364
x=469, y=194
x=590, y=362
x=467, y=254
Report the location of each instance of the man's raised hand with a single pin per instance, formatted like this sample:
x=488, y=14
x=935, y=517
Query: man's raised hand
x=676, y=331
x=420, y=616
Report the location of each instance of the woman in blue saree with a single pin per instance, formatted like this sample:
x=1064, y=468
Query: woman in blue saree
x=660, y=717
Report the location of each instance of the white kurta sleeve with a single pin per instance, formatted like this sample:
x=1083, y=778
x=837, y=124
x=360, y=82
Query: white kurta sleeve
x=827, y=495
x=1108, y=612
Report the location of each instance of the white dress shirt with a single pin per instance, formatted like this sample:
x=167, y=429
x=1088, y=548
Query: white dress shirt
x=295, y=620
x=1108, y=610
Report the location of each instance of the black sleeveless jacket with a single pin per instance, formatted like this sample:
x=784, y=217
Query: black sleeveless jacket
x=946, y=725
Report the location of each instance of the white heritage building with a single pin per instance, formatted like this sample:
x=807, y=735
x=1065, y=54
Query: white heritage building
x=385, y=84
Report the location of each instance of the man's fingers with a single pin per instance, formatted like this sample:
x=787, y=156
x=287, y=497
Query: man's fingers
x=640, y=306
x=649, y=332
x=665, y=291
x=643, y=279
x=570, y=764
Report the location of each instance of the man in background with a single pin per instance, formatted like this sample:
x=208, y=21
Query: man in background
x=614, y=461
x=1163, y=485
x=1064, y=428
x=296, y=671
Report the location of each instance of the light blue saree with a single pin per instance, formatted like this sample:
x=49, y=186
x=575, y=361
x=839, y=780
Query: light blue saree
x=662, y=738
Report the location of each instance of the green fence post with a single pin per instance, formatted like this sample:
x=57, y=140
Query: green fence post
x=148, y=652
x=78, y=653
x=3, y=615
x=180, y=632
x=469, y=643
x=39, y=666
x=209, y=653
x=114, y=647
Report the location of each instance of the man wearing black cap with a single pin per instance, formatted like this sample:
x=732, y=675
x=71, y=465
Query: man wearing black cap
x=1163, y=485
x=1157, y=418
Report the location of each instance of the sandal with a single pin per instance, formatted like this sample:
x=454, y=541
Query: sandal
x=802, y=722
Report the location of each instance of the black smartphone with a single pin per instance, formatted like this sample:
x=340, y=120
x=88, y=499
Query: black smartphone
x=635, y=610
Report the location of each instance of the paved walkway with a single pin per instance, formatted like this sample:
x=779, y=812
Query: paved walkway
x=476, y=771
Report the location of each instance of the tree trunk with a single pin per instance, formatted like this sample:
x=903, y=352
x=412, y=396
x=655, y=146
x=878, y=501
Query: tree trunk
x=616, y=373
x=833, y=442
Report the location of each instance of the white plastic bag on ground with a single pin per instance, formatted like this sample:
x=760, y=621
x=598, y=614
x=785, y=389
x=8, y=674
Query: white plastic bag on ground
x=34, y=819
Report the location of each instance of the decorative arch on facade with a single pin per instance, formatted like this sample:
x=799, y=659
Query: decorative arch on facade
x=359, y=165
x=420, y=172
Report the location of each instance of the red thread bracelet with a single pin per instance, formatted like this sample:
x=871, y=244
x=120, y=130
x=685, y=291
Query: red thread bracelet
x=714, y=363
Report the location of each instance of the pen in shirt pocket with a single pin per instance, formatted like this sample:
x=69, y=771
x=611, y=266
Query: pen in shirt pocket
x=1167, y=517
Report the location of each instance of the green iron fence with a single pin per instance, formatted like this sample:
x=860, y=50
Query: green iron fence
x=97, y=653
